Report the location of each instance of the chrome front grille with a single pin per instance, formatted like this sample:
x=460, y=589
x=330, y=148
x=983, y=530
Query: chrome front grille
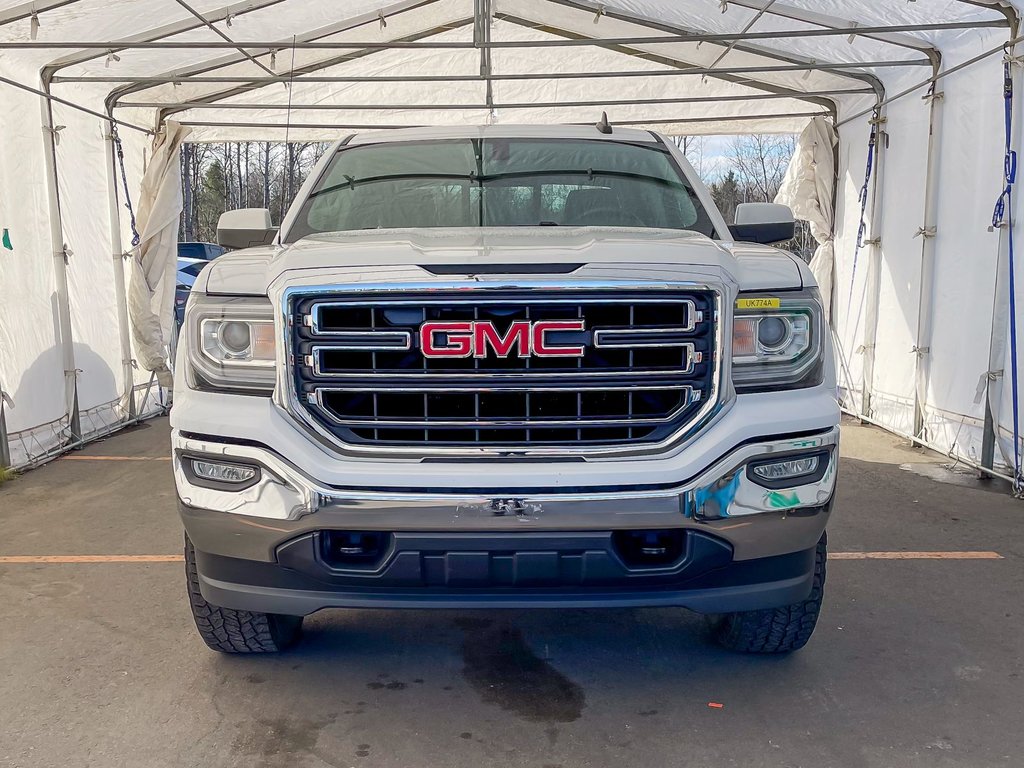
x=646, y=371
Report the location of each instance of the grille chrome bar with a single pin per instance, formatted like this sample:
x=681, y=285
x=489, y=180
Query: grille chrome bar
x=630, y=338
x=312, y=318
x=520, y=388
x=367, y=341
x=689, y=396
x=314, y=361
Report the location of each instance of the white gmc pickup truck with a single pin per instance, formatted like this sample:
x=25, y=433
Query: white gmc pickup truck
x=505, y=366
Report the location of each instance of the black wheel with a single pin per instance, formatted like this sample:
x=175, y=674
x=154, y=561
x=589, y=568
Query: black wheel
x=776, y=630
x=230, y=631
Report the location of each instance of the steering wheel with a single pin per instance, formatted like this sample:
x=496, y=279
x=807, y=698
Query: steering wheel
x=610, y=213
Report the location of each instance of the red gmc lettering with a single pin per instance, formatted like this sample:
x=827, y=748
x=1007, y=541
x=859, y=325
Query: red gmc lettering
x=485, y=334
x=459, y=339
x=542, y=349
x=465, y=339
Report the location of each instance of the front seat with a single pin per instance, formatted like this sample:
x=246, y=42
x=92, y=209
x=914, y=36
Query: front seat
x=595, y=207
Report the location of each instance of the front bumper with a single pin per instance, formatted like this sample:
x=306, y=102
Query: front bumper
x=486, y=516
x=744, y=546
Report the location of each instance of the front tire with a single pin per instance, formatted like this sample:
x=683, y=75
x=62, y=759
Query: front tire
x=776, y=630
x=230, y=631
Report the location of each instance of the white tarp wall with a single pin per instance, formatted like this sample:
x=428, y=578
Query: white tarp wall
x=913, y=312
x=40, y=409
x=880, y=308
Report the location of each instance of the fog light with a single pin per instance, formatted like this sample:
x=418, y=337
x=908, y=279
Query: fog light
x=786, y=469
x=223, y=473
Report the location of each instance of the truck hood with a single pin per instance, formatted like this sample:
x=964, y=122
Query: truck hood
x=421, y=254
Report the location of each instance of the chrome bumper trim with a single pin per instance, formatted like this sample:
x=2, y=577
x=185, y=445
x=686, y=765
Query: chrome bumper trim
x=723, y=490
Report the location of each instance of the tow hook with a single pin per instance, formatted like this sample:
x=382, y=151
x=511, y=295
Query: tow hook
x=502, y=507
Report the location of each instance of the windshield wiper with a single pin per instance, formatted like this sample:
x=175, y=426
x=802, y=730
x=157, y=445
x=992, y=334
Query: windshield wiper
x=351, y=182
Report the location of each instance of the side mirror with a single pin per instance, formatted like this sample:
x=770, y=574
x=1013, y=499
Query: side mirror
x=245, y=228
x=763, y=223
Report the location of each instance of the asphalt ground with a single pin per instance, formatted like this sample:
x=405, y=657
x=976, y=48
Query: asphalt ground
x=916, y=661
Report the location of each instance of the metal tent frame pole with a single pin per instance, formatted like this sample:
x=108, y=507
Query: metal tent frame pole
x=482, y=36
x=872, y=281
x=5, y=446
x=688, y=71
x=928, y=233
x=374, y=126
x=60, y=256
x=630, y=73
x=686, y=37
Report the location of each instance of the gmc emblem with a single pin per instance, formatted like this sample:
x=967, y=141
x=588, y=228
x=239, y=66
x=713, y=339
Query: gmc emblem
x=473, y=339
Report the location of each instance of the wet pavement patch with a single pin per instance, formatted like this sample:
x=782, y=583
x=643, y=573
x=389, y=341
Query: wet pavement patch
x=278, y=741
x=503, y=670
x=956, y=474
x=393, y=685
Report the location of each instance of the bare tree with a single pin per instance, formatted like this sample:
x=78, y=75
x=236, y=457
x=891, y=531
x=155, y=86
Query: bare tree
x=760, y=162
x=243, y=182
x=266, y=174
x=693, y=149
x=221, y=177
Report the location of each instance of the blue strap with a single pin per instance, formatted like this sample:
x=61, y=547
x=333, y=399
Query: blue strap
x=1003, y=215
x=863, y=196
x=1010, y=158
x=124, y=181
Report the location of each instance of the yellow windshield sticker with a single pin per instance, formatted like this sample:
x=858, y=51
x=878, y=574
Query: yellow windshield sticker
x=763, y=302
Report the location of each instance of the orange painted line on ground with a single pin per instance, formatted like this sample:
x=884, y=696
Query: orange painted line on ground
x=914, y=556
x=12, y=559
x=92, y=559
x=115, y=458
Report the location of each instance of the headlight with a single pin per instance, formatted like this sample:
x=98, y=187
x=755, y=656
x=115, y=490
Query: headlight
x=231, y=343
x=776, y=341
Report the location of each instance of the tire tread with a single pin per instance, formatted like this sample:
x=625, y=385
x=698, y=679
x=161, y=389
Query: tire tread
x=230, y=631
x=777, y=630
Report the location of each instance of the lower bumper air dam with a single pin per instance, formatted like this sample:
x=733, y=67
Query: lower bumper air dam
x=543, y=570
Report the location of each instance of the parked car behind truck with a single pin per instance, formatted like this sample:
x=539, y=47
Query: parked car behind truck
x=505, y=367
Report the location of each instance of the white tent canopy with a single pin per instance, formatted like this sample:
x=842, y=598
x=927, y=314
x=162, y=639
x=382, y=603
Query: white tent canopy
x=920, y=307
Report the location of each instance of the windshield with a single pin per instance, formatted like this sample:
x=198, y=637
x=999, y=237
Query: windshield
x=501, y=183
